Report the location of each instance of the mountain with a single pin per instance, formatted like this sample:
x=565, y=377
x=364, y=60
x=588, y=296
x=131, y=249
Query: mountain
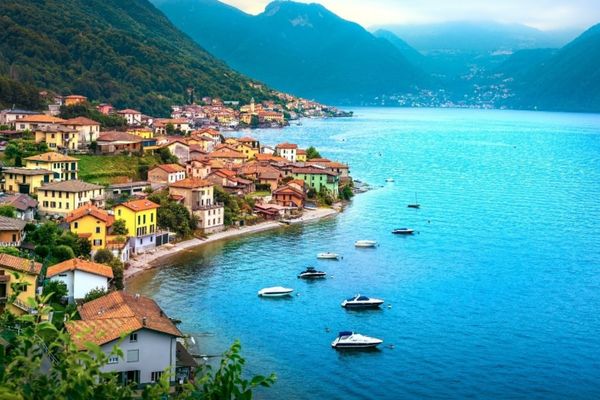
x=123, y=52
x=300, y=48
x=411, y=54
x=478, y=37
x=568, y=80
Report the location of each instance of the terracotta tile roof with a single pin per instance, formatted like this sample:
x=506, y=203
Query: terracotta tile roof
x=75, y=96
x=51, y=156
x=286, y=146
x=225, y=153
x=19, y=264
x=270, y=157
x=208, y=131
x=79, y=121
x=11, y=224
x=247, y=139
x=20, y=201
x=301, y=152
x=118, y=313
x=312, y=171
x=174, y=121
x=28, y=171
x=139, y=205
x=170, y=168
x=116, y=136
x=74, y=186
x=319, y=160
x=41, y=118
x=93, y=211
x=81, y=265
x=128, y=111
x=287, y=189
x=191, y=183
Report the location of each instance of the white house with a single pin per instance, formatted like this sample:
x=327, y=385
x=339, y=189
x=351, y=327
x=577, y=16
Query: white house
x=133, y=117
x=166, y=173
x=288, y=151
x=150, y=344
x=80, y=276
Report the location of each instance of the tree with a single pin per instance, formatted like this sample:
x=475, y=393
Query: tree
x=18, y=161
x=118, y=269
x=170, y=129
x=94, y=294
x=103, y=256
x=254, y=122
x=8, y=211
x=11, y=251
x=55, y=291
x=166, y=157
x=85, y=247
x=119, y=227
x=62, y=253
x=346, y=193
x=311, y=153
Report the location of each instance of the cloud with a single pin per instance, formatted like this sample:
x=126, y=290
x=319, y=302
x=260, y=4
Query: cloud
x=542, y=14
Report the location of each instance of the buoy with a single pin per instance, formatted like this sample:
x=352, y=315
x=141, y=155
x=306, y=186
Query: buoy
x=389, y=306
x=327, y=329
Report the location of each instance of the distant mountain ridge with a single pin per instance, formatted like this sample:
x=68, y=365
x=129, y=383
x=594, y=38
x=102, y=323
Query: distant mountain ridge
x=301, y=48
x=124, y=52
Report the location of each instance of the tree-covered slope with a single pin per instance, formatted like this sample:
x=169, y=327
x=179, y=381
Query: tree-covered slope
x=123, y=52
x=301, y=48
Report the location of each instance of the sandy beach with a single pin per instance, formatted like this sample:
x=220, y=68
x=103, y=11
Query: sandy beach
x=146, y=261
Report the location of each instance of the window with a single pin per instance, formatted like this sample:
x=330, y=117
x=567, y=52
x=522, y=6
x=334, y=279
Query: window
x=155, y=376
x=133, y=337
x=97, y=229
x=113, y=360
x=75, y=225
x=133, y=355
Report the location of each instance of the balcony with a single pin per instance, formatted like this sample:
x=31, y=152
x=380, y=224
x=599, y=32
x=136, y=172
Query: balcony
x=207, y=207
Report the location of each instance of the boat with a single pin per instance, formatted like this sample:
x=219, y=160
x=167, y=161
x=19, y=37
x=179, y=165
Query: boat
x=403, y=231
x=311, y=273
x=365, y=243
x=415, y=204
x=389, y=180
x=329, y=256
x=276, y=291
x=352, y=340
x=360, y=301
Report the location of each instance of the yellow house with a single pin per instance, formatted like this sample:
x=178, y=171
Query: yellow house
x=301, y=155
x=91, y=223
x=62, y=198
x=144, y=133
x=58, y=137
x=27, y=273
x=231, y=141
x=247, y=150
x=139, y=217
x=24, y=180
x=64, y=167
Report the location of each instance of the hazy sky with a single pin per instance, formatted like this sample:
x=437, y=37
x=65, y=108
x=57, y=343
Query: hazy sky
x=542, y=14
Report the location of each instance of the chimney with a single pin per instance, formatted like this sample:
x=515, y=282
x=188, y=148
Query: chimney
x=144, y=321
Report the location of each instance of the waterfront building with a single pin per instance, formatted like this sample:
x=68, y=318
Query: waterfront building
x=149, y=347
x=25, y=180
x=318, y=179
x=301, y=155
x=92, y=223
x=64, y=167
x=289, y=151
x=197, y=196
x=62, y=198
x=140, y=219
x=80, y=276
x=290, y=195
x=28, y=271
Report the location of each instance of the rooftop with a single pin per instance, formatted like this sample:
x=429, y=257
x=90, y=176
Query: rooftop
x=81, y=265
x=19, y=264
x=11, y=224
x=191, y=183
x=93, y=211
x=51, y=156
x=117, y=136
x=139, y=205
x=19, y=201
x=27, y=171
x=80, y=121
x=41, y=118
x=170, y=168
x=286, y=146
x=71, y=186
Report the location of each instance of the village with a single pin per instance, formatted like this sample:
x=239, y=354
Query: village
x=73, y=230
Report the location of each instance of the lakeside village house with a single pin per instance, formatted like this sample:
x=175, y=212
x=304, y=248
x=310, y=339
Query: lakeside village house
x=48, y=186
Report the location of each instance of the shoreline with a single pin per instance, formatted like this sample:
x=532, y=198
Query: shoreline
x=147, y=261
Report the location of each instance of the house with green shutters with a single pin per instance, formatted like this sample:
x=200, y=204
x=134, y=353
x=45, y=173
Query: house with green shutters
x=318, y=178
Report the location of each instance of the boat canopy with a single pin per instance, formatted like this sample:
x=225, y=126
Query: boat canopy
x=362, y=298
x=345, y=333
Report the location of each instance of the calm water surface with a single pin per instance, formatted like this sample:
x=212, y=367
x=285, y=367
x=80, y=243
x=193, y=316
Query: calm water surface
x=497, y=296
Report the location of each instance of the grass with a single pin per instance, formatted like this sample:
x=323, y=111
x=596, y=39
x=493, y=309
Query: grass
x=107, y=169
x=260, y=194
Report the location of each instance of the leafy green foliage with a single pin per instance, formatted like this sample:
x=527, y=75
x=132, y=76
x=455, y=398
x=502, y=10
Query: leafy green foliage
x=56, y=245
x=235, y=208
x=119, y=227
x=55, y=290
x=173, y=216
x=106, y=257
x=86, y=110
x=8, y=211
x=22, y=148
x=103, y=256
x=346, y=193
x=106, y=169
x=14, y=93
x=166, y=157
x=311, y=153
x=94, y=294
x=125, y=53
x=13, y=251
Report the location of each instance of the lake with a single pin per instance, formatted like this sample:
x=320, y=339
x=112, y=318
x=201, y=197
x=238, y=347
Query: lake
x=497, y=295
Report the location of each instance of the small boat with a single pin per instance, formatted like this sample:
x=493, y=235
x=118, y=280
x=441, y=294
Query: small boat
x=311, y=273
x=276, y=291
x=365, y=243
x=403, y=231
x=415, y=204
x=389, y=180
x=359, y=301
x=351, y=340
x=328, y=256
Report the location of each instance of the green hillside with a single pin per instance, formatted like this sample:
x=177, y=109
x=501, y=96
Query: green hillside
x=123, y=52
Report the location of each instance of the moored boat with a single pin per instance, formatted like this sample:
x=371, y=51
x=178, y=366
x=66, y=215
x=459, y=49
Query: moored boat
x=365, y=243
x=389, y=180
x=276, y=291
x=328, y=256
x=403, y=231
x=311, y=273
x=360, y=301
x=415, y=204
x=352, y=340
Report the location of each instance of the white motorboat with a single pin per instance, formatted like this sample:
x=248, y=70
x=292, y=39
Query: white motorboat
x=276, y=291
x=403, y=231
x=328, y=256
x=311, y=273
x=359, y=301
x=389, y=180
x=365, y=243
x=351, y=340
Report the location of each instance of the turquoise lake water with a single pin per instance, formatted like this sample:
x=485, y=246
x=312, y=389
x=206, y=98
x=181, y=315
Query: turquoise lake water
x=497, y=296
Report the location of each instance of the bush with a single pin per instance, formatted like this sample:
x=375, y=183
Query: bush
x=103, y=256
x=55, y=290
x=62, y=253
x=8, y=211
x=311, y=153
x=119, y=227
x=263, y=187
x=93, y=294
